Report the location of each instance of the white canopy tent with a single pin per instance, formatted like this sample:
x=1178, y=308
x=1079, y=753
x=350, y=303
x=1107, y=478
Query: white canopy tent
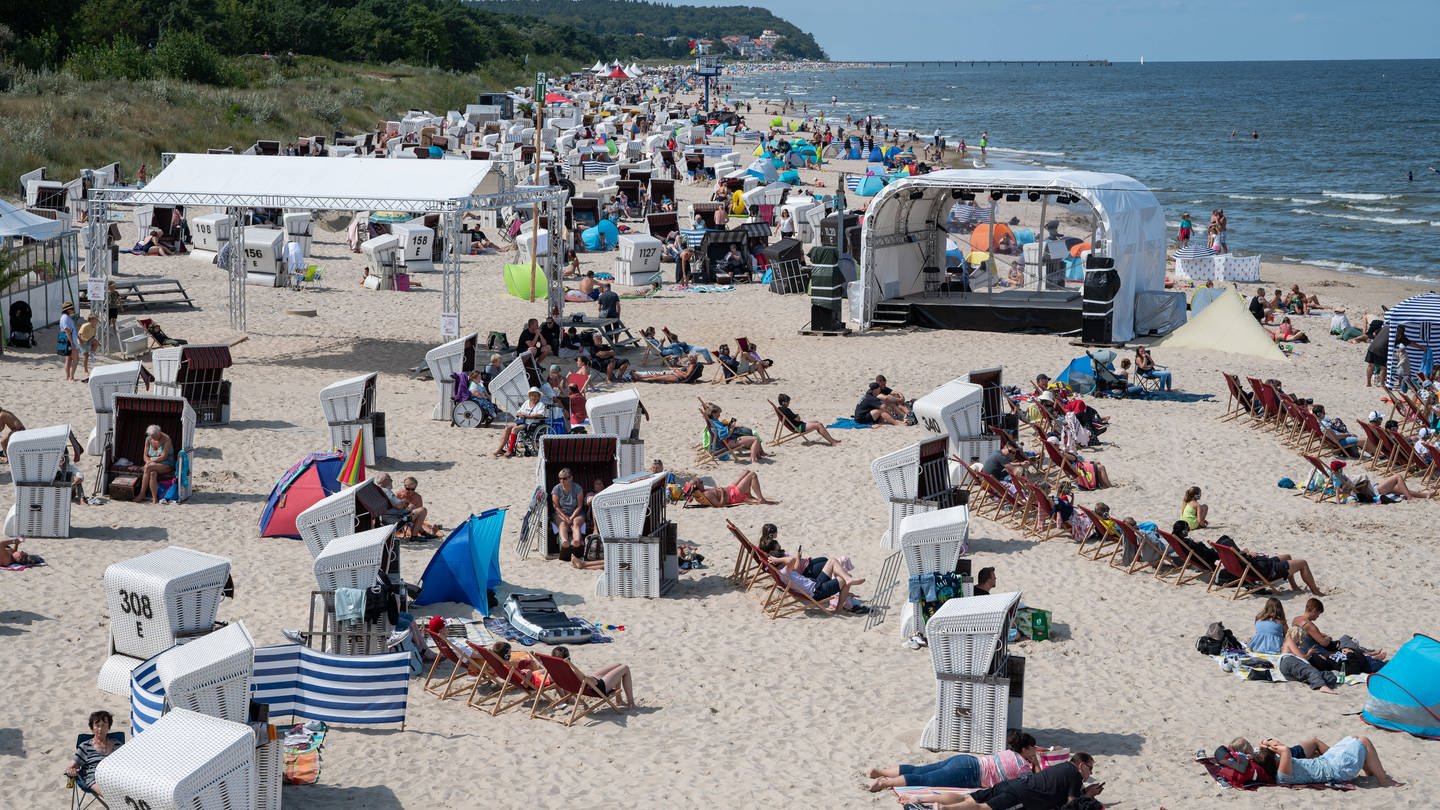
x=17, y=222
x=238, y=182
x=901, y=233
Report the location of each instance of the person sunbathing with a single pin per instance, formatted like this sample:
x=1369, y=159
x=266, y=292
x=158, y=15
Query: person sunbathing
x=605, y=680
x=819, y=577
x=731, y=435
x=1049, y=789
x=1273, y=568
x=1021, y=756
x=10, y=553
x=1390, y=489
x=746, y=489
x=689, y=371
x=409, y=495
x=800, y=426
x=673, y=346
x=1341, y=762
x=1287, y=333
x=1299, y=302
x=750, y=360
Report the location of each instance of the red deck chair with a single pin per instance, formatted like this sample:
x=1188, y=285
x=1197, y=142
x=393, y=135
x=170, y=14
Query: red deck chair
x=1137, y=547
x=1269, y=401
x=1402, y=456
x=997, y=502
x=1326, y=492
x=748, y=569
x=785, y=598
x=1103, y=534
x=508, y=679
x=1240, y=402
x=1431, y=479
x=461, y=667
x=568, y=685
x=1377, y=439
x=1248, y=580
x=1038, y=511
x=1184, y=561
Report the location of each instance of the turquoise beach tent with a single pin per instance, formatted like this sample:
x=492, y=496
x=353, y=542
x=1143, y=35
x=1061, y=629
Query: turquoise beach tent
x=870, y=185
x=1405, y=693
x=1079, y=375
x=467, y=565
x=790, y=176
x=602, y=231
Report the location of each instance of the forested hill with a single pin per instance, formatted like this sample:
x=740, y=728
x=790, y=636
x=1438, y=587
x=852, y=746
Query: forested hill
x=112, y=38
x=658, y=21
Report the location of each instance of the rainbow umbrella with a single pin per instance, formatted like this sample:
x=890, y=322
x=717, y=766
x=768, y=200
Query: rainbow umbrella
x=353, y=471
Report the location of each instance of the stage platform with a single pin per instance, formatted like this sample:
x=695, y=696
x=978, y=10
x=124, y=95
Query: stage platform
x=1001, y=311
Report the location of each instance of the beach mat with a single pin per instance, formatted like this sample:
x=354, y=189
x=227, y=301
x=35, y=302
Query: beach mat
x=846, y=423
x=302, y=756
x=1213, y=768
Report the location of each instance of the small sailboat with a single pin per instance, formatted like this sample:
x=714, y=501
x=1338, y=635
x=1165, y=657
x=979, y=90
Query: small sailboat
x=1142, y=60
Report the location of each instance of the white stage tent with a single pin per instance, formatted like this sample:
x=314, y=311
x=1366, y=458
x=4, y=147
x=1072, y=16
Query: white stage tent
x=901, y=233
x=238, y=182
x=17, y=222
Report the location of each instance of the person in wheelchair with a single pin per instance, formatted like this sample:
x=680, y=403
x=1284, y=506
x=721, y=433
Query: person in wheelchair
x=475, y=391
x=529, y=421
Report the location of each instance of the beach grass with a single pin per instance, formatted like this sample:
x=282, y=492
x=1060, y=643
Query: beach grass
x=66, y=124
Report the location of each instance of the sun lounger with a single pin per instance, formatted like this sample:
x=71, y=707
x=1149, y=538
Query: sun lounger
x=568, y=685
x=1103, y=535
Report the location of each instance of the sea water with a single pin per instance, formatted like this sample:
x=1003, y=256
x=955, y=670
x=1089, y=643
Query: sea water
x=1325, y=183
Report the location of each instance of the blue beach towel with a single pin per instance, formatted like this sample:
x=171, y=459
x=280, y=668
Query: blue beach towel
x=846, y=423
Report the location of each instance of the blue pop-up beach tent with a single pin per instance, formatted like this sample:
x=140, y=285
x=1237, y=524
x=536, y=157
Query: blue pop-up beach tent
x=467, y=565
x=1405, y=693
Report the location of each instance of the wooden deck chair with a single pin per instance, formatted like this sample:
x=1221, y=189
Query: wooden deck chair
x=1269, y=401
x=1239, y=403
x=1377, y=440
x=1060, y=467
x=784, y=597
x=1326, y=492
x=1184, y=561
x=1248, y=580
x=652, y=351
x=743, y=373
x=507, y=679
x=784, y=430
x=1402, y=408
x=1137, y=546
x=1292, y=428
x=1038, y=511
x=711, y=449
x=461, y=667
x=997, y=502
x=748, y=561
x=1006, y=440
x=570, y=686
x=1403, y=459
x=1431, y=479
x=1104, y=535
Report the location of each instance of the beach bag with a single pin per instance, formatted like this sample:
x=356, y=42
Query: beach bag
x=594, y=549
x=1237, y=768
x=62, y=343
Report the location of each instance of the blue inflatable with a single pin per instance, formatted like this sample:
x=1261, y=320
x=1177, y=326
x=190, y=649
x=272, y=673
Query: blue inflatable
x=602, y=236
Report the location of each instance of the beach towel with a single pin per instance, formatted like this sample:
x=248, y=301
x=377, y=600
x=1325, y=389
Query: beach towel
x=907, y=796
x=302, y=753
x=846, y=423
x=20, y=566
x=349, y=604
x=712, y=288
x=1213, y=768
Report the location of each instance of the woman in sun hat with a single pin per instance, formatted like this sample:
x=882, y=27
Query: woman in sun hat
x=67, y=342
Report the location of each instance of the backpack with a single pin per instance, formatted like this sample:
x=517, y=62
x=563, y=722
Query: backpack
x=1238, y=769
x=1217, y=639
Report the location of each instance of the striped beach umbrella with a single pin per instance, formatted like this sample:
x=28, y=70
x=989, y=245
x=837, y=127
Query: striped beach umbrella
x=1194, y=250
x=353, y=471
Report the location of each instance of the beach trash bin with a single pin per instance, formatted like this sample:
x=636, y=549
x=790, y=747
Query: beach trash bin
x=827, y=291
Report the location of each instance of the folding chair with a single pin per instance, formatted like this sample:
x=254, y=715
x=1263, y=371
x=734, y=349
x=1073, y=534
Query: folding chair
x=499, y=672
x=1136, y=546
x=784, y=430
x=1037, y=511
x=1239, y=404
x=568, y=686
x=1269, y=401
x=1377, y=440
x=785, y=598
x=461, y=667
x=1327, y=491
x=1185, y=562
x=713, y=449
x=1431, y=479
x=996, y=501
x=1248, y=579
x=1402, y=457
x=1103, y=533
x=82, y=796
x=652, y=351
x=748, y=568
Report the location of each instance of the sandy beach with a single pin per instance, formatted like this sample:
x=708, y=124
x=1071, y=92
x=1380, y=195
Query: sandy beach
x=737, y=710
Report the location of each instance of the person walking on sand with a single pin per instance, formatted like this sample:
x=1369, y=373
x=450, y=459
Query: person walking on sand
x=1186, y=229
x=984, y=142
x=67, y=342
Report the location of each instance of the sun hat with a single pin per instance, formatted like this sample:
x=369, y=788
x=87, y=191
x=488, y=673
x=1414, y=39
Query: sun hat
x=68, y=307
x=533, y=390
x=1426, y=432
x=1337, y=464
x=1046, y=396
x=1373, y=416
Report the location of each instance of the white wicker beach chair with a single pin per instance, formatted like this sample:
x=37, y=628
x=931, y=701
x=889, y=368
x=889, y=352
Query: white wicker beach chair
x=932, y=542
x=331, y=517
x=105, y=382
x=509, y=387
x=350, y=410
x=155, y=597
x=908, y=478
x=269, y=774
x=630, y=457
x=968, y=652
x=352, y=561
x=185, y=761
x=40, y=510
x=640, y=554
x=615, y=414
x=35, y=453
x=210, y=675
x=454, y=357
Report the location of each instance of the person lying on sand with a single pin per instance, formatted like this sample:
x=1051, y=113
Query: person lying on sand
x=1341, y=762
x=1049, y=789
x=746, y=489
x=1021, y=756
x=1287, y=333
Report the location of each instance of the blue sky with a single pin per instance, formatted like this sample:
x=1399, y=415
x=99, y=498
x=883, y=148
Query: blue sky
x=1119, y=30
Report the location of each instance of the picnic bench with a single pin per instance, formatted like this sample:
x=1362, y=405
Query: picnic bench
x=614, y=330
x=147, y=293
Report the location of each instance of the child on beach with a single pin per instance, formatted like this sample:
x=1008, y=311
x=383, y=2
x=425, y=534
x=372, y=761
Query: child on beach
x=1186, y=229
